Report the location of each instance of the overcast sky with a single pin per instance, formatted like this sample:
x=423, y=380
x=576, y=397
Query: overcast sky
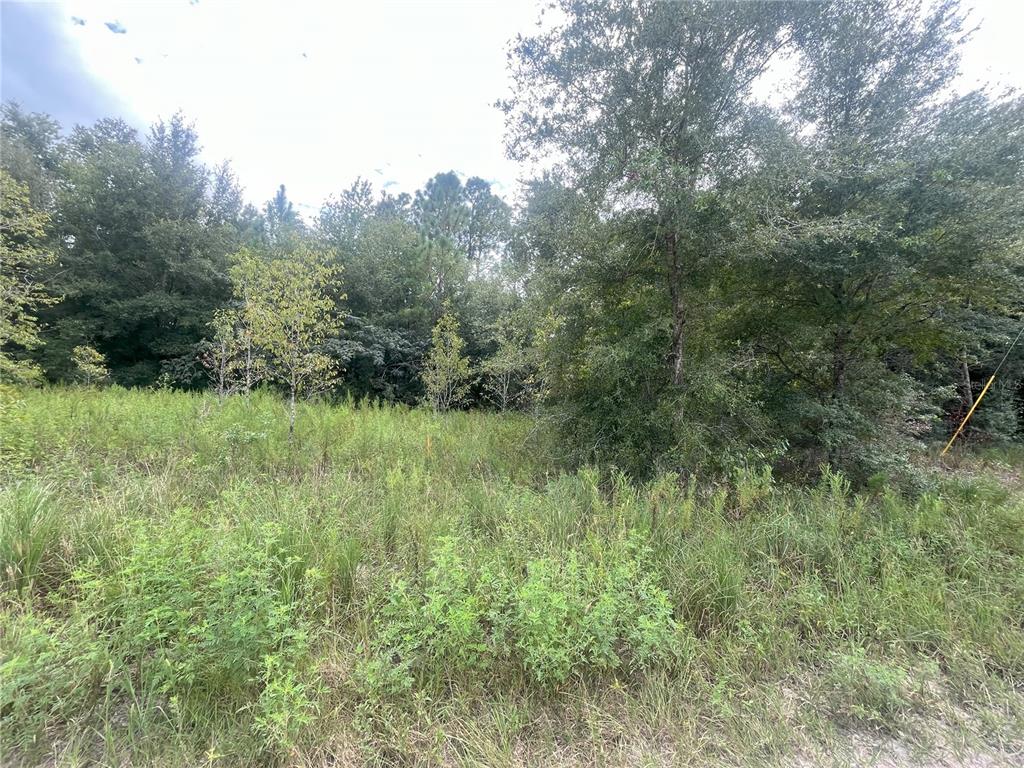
x=314, y=94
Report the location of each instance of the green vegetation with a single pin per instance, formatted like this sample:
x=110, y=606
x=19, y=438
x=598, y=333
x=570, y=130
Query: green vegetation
x=634, y=472
x=182, y=584
x=446, y=371
x=22, y=293
x=702, y=277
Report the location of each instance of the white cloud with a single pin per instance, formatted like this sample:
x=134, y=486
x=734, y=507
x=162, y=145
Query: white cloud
x=314, y=94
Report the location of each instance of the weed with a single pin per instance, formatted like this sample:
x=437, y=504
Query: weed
x=182, y=586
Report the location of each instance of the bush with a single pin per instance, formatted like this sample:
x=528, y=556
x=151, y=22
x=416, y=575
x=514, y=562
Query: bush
x=210, y=622
x=596, y=609
x=51, y=673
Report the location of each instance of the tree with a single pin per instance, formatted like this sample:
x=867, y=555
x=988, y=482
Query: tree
x=446, y=371
x=22, y=291
x=282, y=227
x=646, y=103
x=647, y=107
x=390, y=301
x=90, y=367
x=342, y=219
x=874, y=241
x=143, y=241
x=725, y=282
x=487, y=225
x=32, y=152
x=287, y=307
x=506, y=373
x=229, y=358
x=403, y=259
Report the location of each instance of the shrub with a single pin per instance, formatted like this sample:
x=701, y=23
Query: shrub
x=207, y=620
x=596, y=609
x=50, y=674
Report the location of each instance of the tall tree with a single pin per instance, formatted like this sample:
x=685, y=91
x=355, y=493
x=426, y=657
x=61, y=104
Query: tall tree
x=874, y=248
x=23, y=258
x=282, y=226
x=488, y=222
x=390, y=301
x=143, y=243
x=646, y=105
x=33, y=153
x=405, y=257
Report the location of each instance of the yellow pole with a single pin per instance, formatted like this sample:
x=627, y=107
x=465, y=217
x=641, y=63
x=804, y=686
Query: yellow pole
x=964, y=422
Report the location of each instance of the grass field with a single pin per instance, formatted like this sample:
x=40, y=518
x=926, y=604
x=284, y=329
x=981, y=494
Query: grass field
x=182, y=586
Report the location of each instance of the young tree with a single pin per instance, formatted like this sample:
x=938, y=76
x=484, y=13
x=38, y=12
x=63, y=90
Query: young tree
x=446, y=373
x=22, y=293
x=506, y=373
x=288, y=308
x=231, y=362
x=90, y=365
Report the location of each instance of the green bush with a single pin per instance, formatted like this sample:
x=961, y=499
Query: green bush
x=212, y=622
x=600, y=608
x=51, y=673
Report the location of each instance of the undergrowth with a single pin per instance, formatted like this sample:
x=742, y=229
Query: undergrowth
x=181, y=585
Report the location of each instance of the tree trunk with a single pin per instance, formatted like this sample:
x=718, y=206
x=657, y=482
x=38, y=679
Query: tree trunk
x=291, y=413
x=968, y=397
x=222, y=377
x=839, y=366
x=678, y=313
x=248, y=366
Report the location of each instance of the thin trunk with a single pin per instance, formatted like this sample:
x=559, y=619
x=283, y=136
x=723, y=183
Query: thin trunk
x=248, y=365
x=678, y=313
x=968, y=391
x=291, y=411
x=222, y=387
x=839, y=362
x=839, y=369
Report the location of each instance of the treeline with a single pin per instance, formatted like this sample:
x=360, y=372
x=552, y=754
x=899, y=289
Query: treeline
x=702, y=280
x=145, y=237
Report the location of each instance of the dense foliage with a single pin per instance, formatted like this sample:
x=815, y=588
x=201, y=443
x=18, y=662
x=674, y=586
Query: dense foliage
x=181, y=584
x=803, y=283
x=704, y=278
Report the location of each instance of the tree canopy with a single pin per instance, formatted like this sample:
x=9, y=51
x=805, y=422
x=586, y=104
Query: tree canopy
x=700, y=279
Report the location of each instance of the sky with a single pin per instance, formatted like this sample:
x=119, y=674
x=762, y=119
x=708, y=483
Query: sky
x=314, y=94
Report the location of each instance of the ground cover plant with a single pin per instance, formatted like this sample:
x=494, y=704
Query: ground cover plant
x=184, y=585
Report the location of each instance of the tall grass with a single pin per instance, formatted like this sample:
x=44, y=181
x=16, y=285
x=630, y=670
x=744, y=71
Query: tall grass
x=181, y=585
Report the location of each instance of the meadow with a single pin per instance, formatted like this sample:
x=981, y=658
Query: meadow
x=183, y=585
